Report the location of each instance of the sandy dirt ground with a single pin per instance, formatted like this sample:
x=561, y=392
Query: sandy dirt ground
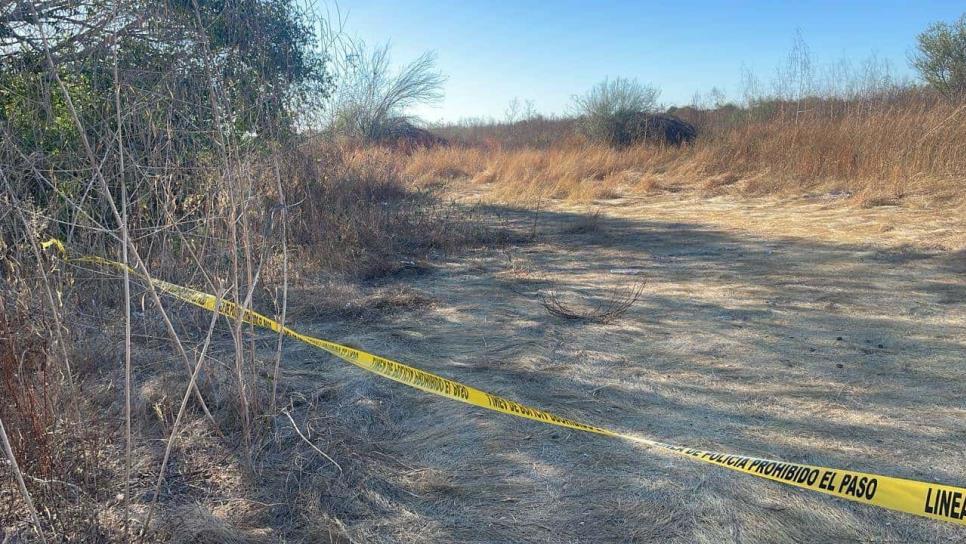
x=804, y=330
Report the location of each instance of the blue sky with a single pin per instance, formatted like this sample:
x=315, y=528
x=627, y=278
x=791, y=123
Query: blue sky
x=547, y=51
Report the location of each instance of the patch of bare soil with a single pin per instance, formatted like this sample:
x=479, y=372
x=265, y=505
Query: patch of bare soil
x=800, y=330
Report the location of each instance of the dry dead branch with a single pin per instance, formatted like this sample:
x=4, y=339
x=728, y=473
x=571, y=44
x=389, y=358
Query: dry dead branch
x=609, y=310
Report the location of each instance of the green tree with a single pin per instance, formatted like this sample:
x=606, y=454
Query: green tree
x=263, y=55
x=259, y=57
x=941, y=57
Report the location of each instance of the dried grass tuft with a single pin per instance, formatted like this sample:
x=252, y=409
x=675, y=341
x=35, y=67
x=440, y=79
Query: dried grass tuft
x=195, y=524
x=586, y=224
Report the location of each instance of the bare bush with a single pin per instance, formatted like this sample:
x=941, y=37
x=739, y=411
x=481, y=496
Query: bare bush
x=604, y=110
x=373, y=102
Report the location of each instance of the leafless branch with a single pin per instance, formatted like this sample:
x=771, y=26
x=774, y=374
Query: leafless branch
x=612, y=308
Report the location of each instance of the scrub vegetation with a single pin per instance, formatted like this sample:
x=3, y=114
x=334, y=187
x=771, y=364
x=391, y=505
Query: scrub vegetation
x=651, y=269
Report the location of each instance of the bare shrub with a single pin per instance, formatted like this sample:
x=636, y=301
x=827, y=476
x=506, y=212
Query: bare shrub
x=604, y=110
x=366, y=214
x=372, y=102
x=640, y=127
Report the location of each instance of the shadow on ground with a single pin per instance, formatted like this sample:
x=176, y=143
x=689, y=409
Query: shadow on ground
x=832, y=354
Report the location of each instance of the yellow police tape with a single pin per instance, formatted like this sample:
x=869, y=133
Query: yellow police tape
x=940, y=502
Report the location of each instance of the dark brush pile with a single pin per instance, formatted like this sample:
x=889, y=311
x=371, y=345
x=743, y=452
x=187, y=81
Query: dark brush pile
x=659, y=128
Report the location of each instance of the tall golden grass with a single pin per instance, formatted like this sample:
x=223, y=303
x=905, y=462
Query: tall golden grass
x=908, y=151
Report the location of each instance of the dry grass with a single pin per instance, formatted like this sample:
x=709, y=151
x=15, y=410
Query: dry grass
x=118, y=408
x=358, y=227
x=25, y=384
x=579, y=174
x=194, y=524
x=732, y=345
x=429, y=166
x=907, y=150
x=910, y=151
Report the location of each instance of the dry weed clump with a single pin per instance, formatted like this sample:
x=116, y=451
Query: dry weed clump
x=367, y=218
x=350, y=301
x=586, y=224
x=63, y=447
x=904, y=150
x=196, y=524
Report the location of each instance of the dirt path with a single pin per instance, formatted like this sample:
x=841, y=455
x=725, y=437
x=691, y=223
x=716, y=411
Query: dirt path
x=804, y=331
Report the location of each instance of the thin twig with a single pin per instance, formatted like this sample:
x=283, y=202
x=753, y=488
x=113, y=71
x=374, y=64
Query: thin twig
x=128, y=446
x=109, y=198
x=307, y=441
x=281, y=333
x=224, y=145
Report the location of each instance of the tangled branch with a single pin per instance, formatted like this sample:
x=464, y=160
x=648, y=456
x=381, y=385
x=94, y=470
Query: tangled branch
x=608, y=311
